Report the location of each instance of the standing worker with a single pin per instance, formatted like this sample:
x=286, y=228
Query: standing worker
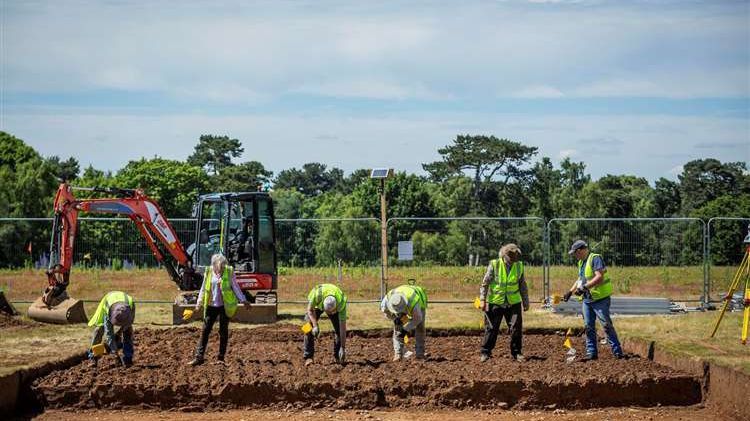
x=218, y=295
x=407, y=307
x=330, y=299
x=115, y=309
x=594, y=287
x=502, y=294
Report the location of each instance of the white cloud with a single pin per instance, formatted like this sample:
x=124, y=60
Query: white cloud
x=567, y=153
x=600, y=50
x=368, y=88
x=539, y=92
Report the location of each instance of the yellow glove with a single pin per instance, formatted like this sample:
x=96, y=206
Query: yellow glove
x=187, y=314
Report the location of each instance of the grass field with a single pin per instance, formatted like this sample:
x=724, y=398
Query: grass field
x=442, y=283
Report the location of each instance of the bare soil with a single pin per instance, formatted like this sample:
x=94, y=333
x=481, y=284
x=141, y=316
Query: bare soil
x=660, y=413
x=265, y=370
x=7, y=322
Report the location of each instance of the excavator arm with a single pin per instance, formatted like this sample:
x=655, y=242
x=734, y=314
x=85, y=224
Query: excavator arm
x=139, y=208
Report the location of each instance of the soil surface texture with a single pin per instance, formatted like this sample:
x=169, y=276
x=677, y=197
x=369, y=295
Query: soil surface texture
x=264, y=369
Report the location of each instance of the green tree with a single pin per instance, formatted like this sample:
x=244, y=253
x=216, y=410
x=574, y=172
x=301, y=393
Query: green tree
x=704, y=180
x=492, y=162
x=214, y=153
x=312, y=180
x=247, y=176
x=174, y=185
x=64, y=170
x=666, y=198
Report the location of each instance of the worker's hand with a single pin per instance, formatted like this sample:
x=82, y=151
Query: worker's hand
x=580, y=291
x=483, y=306
x=567, y=295
x=315, y=331
x=525, y=307
x=187, y=314
x=342, y=355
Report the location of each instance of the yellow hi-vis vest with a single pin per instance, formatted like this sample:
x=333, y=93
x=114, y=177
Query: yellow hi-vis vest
x=414, y=295
x=604, y=289
x=227, y=293
x=320, y=292
x=103, y=310
x=505, y=285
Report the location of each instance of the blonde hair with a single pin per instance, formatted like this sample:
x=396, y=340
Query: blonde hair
x=218, y=261
x=512, y=251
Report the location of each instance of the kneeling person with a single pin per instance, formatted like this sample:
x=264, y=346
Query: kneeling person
x=328, y=299
x=116, y=309
x=407, y=307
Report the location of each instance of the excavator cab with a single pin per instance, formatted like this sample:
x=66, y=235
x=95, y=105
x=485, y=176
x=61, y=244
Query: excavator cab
x=241, y=227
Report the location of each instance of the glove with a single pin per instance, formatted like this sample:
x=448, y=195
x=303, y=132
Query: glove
x=187, y=314
x=567, y=295
x=315, y=331
x=342, y=355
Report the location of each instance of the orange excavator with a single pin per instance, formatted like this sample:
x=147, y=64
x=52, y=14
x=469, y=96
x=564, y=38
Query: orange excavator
x=225, y=225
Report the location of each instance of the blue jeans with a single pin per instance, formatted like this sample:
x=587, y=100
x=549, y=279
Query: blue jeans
x=599, y=309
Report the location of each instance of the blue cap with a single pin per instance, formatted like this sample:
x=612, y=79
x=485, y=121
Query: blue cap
x=578, y=244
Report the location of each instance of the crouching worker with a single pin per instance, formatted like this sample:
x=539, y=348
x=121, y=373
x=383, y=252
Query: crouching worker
x=116, y=310
x=328, y=299
x=219, y=296
x=407, y=307
x=502, y=294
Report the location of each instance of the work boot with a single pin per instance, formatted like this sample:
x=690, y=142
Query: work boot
x=484, y=357
x=308, y=361
x=589, y=358
x=196, y=361
x=520, y=358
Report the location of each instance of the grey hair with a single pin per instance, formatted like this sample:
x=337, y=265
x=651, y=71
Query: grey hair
x=511, y=250
x=220, y=260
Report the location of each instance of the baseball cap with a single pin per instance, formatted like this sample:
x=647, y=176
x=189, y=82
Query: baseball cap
x=578, y=244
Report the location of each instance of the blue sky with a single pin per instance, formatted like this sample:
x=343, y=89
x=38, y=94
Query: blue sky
x=637, y=87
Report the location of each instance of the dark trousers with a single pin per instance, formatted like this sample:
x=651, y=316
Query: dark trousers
x=513, y=317
x=208, y=323
x=310, y=339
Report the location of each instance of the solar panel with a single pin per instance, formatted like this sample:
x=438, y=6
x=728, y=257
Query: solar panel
x=381, y=172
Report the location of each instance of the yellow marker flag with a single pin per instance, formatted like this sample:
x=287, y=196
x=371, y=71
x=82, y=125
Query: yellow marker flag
x=406, y=339
x=477, y=303
x=307, y=328
x=567, y=343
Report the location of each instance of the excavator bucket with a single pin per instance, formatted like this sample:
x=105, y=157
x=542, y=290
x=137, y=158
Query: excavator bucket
x=6, y=306
x=62, y=310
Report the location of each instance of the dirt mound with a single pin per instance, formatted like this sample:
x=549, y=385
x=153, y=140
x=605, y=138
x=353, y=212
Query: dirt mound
x=7, y=322
x=265, y=368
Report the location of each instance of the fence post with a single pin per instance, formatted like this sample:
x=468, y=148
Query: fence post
x=706, y=259
x=545, y=261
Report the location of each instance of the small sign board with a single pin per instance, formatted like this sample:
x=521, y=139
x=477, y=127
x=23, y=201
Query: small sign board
x=405, y=250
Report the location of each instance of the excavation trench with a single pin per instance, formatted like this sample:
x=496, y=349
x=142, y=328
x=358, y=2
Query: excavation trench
x=265, y=369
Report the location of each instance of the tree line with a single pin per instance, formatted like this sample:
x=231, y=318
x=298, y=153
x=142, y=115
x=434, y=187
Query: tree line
x=476, y=176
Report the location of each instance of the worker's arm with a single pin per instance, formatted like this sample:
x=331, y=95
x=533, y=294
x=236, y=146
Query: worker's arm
x=524, y=290
x=109, y=335
x=237, y=291
x=342, y=331
x=416, y=318
x=200, y=292
x=489, y=274
x=311, y=314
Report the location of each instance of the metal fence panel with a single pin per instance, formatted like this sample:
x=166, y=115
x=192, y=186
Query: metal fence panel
x=450, y=255
x=345, y=251
x=644, y=256
x=725, y=250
